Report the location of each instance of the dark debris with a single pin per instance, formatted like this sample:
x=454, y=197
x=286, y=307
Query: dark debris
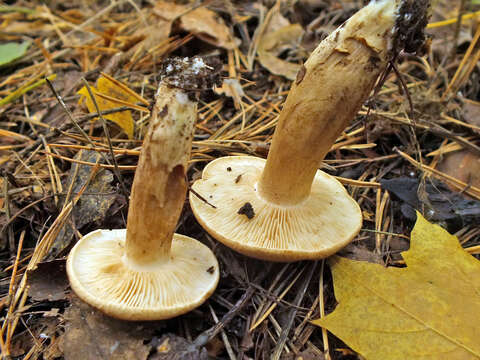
x=247, y=210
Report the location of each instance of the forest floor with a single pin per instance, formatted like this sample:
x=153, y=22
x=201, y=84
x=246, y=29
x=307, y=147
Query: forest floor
x=392, y=160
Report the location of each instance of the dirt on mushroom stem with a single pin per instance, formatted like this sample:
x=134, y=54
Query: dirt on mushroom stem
x=330, y=89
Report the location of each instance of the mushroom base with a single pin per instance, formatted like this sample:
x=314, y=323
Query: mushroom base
x=100, y=275
x=326, y=221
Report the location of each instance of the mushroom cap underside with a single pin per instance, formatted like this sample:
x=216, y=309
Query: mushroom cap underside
x=101, y=275
x=240, y=218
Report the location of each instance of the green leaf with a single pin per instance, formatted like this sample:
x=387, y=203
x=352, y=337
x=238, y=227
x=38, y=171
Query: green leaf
x=12, y=51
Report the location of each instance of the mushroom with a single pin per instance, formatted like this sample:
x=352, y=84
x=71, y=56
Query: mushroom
x=284, y=208
x=146, y=272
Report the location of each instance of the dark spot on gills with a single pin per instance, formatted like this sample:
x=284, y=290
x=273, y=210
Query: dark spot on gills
x=247, y=210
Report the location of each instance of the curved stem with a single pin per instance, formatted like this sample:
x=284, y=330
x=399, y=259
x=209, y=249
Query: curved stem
x=159, y=187
x=329, y=90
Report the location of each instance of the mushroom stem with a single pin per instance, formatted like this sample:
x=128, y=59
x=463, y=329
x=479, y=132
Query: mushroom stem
x=329, y=90
x=159, y=186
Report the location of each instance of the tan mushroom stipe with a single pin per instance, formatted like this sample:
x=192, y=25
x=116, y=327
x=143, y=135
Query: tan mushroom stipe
x=146, y=272
x=290, y=210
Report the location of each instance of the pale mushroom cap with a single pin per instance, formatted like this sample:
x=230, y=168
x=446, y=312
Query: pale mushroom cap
x=317, y=227
x=101, y=275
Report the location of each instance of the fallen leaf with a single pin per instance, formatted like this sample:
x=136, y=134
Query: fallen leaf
x=360, y=252
x=38, y=332
x=21, y=345
x=173, y=347
x=12, y=51
x=94, y=203
x=91, y=335
x=215, y=347
x=232, y=88
x=443, y=204
x=428, y=310
x=108, y=88
x=53, y=350
x=471, y=112
x=273, y=44
x=202, y=22
x=463, y=165
x=304, y=355
x=48, y=282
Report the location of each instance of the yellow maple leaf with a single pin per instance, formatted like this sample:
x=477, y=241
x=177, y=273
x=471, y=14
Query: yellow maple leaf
x=428, y=310
x=110, y=89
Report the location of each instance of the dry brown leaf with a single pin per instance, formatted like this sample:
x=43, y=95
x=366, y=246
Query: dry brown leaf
x=232, y=88
x=202, y=22
x=471, y=111
x=428, y=310
x=272, y=44
x=173, y=347
x=463, y=165
x=153, y=34
x=91, y=335
x=48, y=282
x=94, y=203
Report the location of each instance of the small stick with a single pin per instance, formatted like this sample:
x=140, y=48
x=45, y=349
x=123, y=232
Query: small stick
x=460, y=185
x=11, y=240
x=103, y=166
x=458, y=25
x=201, y=198
x=274, y=305
x=321, y=305
x=50, y=167
x=291, y=316
x=84, y=134
x=228, y=347
x=15, y=265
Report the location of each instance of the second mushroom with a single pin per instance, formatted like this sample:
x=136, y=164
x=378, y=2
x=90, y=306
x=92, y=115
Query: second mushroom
x=147, y=272
x=284, y=208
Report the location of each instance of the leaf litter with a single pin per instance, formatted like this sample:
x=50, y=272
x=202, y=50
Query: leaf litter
x=90, y=335
x=127, y=42
x=439, y=203
x=94, y=203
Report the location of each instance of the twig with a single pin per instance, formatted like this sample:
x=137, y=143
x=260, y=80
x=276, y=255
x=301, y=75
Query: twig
x=201, y=198
x=19, y=212
x=460, y=185
x=435, y=129
x=291, y=316
x=209, y=334
x=103, y=166
x=458, y=25
x=321, y=305
x=228, y=347
x=11, y=240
